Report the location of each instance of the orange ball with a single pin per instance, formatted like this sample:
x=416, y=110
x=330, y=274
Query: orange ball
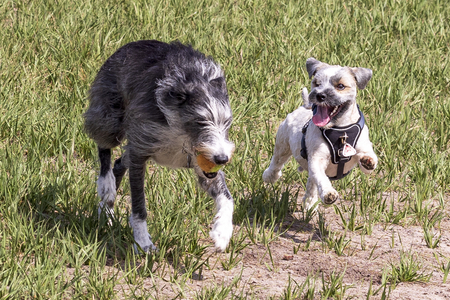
x=207, y=165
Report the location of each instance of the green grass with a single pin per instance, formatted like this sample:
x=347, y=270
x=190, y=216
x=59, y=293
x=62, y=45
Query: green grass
x=53, y=246
x=409, y=269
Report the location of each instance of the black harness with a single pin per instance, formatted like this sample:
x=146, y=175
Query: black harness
x=337, y=138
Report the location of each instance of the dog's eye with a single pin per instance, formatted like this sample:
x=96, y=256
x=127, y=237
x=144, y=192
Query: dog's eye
x=179, y=96
x=340, y=86
x=202, y=123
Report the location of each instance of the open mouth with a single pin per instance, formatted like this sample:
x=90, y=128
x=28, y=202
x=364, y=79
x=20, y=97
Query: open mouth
x=210, y=175
x=323, y=114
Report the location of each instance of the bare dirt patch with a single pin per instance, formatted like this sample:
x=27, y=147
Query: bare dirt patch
x=299, y=252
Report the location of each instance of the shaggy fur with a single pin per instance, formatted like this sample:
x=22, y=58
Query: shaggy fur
x=333, y=90
x=170, y=103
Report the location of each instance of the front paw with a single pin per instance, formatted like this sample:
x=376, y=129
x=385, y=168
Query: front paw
x=368, y=163
x=221, y=232
x=270, y=176
x=309, y=203
x=145, y=243
x=141, y=235
x=330, y=197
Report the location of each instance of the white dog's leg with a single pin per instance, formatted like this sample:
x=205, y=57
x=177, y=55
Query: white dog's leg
x=316, y=169
x=311, y=195
x=367, y=158
x=368, y=163
x=281, y=154
x=222, y=228
x=106, y=189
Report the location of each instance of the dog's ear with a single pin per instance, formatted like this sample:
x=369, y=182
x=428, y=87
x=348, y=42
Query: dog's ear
x=312, y=65
x=362, y=76
x=218, y=83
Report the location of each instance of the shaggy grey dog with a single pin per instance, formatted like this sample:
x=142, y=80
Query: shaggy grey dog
x=170, y=103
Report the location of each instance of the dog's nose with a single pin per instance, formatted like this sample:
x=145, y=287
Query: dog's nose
x=321, y=97
x=220, y=159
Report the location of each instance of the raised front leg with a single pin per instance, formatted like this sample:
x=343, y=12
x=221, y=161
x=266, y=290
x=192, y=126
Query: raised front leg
x=138, y=218
x=281, y=154
x=367, y=158
x=223, y=221
x=367, y=161
x=368, y=164
x=317, y=166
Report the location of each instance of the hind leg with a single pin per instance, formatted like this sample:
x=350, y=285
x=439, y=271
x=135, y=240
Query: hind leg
x=281, y=155
x=106, y=183
x=119, y=170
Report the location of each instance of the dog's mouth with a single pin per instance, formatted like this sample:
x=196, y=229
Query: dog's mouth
x=210, y=175
x=209, y=168
x=324, y=113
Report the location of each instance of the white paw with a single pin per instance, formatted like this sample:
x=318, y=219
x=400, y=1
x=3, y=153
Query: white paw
x=221, y=232
x=141, y=235
x=271, y=177
x=145, y=244
x=330, y=197
x=368, y=164
x=106, y=187
x=309, y=203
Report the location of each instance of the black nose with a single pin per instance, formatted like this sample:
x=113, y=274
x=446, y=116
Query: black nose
x=220, y=159
x=321, y=97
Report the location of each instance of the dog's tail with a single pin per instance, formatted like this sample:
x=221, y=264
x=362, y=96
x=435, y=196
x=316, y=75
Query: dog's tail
x=305, y=97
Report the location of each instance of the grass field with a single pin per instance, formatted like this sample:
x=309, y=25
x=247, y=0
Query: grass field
x=388, y=239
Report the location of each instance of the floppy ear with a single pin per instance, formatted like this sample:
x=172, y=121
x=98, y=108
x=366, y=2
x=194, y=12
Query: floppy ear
x=178, y=96
x=218, y=83
x=362, y=76
x=312, y=65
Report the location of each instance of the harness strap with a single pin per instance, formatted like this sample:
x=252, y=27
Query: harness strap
x=304, y=152
x=333, y=136
x=340, y=171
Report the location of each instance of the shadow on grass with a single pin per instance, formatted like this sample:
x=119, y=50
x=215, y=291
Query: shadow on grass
x=73, y=211
x=277, y=209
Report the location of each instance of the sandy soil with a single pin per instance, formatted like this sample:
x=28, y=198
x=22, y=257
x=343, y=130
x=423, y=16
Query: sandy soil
x=363, y=261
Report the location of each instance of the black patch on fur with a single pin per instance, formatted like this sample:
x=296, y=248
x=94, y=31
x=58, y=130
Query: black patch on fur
x=119, y=171
x=104, y=156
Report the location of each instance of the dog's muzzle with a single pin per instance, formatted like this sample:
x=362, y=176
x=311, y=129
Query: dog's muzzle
x=211, y=167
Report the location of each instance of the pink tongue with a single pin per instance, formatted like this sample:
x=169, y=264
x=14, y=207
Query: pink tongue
x=322, y=116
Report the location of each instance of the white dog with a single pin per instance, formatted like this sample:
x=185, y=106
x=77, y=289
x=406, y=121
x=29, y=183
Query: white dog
x=327, y=135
